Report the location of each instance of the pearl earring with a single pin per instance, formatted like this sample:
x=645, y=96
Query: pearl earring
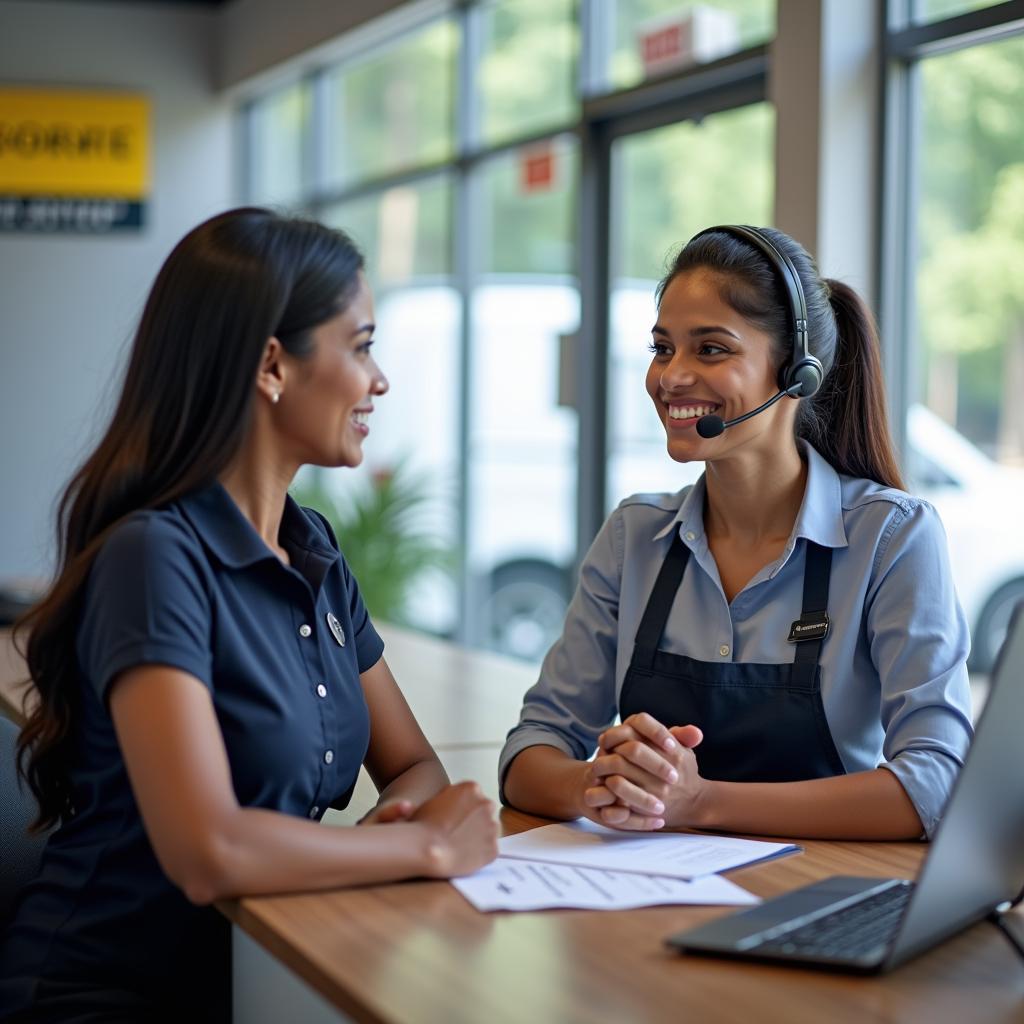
x=276, y=397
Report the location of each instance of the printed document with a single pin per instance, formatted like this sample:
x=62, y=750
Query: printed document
x=508, y=884
x=671, y=854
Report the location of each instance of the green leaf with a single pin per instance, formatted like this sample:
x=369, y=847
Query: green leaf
x=383, y=530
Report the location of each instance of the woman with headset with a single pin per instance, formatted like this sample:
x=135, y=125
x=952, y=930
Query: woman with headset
x=208, y=679
x=782, y=641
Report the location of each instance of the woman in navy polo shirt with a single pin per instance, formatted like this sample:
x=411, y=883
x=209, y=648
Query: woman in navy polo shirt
x=209, y=679
x=782, y=641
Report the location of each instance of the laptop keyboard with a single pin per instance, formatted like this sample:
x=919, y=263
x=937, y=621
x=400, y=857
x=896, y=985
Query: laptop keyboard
x=851, y=932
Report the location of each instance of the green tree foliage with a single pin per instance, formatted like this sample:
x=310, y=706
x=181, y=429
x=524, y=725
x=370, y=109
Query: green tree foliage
x=970, y=290
x=392, y=110
x=527, y=74
x=381, y=530
x=684, y=177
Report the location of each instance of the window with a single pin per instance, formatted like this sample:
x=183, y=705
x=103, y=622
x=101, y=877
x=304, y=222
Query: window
x=392, y=110
x=526, y=74
x=966, y=297
x=279, y=126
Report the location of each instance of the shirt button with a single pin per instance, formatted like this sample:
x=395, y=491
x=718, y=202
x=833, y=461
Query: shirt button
x=314, y=811
x=328, y=756
x=724, y=650
x=305, y=630
x=321, y=690
x=690, y=535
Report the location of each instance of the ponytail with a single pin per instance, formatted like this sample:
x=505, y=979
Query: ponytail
x=847, y=421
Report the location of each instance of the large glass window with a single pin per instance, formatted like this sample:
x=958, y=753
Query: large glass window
x=526, y=74
x=404, y=231
x=392, y=110
x=279, y=127
x=668, y=184
x=968, y=419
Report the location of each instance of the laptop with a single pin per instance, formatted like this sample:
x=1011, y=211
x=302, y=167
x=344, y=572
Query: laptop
x=974, y=867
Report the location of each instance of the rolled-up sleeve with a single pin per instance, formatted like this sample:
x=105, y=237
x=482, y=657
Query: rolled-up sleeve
x=574, y=699
x=919, y=642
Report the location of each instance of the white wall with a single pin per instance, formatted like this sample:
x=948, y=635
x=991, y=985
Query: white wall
x=68, y=304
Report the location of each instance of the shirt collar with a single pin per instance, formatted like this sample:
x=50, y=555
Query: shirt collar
x=820, y=518
x=233, y=540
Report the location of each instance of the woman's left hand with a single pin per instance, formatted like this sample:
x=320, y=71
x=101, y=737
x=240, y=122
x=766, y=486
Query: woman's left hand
x=620, y=798
x=386, y=813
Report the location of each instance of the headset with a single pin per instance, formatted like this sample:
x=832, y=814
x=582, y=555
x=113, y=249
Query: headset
x=802, y=374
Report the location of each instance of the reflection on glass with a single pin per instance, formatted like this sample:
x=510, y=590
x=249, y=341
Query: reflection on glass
x=526, y=76
x=970, y=316
x=934, y=10
x=403, y=233
x=522, y=459
x=280, y=123
x=393, y=109
x=650, y=37
x=667, y=185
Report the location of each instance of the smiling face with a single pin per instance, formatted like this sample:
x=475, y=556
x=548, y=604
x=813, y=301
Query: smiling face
x=709, y=360
x=327, y=396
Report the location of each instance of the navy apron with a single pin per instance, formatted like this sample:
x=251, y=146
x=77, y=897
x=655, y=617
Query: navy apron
x=761, y=723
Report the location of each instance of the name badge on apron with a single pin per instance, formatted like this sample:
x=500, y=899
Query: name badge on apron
x=811, y=626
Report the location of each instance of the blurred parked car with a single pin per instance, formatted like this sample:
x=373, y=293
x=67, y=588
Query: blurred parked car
x=980, y=503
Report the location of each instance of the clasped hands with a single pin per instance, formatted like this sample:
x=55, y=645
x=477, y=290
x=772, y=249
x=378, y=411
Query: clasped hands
x=644, y=776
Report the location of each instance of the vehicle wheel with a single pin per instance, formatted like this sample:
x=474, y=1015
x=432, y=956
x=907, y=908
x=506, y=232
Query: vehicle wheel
x=993, y=624
x=523, y=614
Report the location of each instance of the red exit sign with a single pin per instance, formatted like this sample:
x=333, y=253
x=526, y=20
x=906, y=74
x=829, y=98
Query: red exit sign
x=665, y=46
x=537, y=169
x=700, y=34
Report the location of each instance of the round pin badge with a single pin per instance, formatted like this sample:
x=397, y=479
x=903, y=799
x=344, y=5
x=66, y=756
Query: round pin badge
x=335, y=627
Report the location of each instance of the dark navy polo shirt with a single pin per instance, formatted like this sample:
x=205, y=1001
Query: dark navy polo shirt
x=192, y=586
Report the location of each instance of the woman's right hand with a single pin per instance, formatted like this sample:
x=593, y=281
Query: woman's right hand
x=644, y=776
x=462, y=830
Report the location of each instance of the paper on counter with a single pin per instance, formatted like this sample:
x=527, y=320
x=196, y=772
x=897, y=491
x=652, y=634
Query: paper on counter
x=509, y=884
x=672, y=854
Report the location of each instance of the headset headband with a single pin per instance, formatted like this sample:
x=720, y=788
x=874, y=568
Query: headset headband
x=787, y=274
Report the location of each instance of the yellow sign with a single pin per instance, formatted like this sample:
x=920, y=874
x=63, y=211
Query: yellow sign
x=63, y=144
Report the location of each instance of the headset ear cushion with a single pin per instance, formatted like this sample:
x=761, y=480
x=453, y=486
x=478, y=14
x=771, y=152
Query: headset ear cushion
x=808, y=374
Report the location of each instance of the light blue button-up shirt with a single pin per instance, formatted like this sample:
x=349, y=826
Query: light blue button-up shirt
x=893, y=667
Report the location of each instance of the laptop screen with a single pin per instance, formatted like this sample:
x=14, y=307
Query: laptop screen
x=977, y=858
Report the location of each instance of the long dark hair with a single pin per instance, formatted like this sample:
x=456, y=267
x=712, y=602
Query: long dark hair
x=185, y=406
x=847, y=419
